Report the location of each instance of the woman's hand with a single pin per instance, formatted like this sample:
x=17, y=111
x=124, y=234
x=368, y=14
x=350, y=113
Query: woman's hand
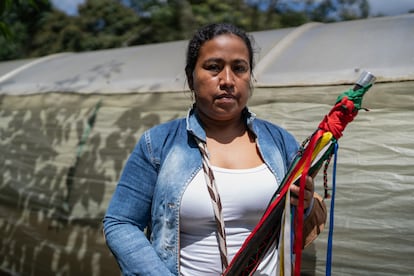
x=309, y=189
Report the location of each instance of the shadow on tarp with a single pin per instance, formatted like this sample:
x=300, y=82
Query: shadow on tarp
x=59, y=172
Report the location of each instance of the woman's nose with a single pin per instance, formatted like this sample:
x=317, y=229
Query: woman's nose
x=227, y=78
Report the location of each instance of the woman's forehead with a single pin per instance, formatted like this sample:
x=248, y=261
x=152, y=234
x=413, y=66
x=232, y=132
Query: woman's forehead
x=225, y=45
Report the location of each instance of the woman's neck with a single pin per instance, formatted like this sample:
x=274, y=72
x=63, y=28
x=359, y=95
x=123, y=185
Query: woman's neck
x=211, y=124
x=224, y=131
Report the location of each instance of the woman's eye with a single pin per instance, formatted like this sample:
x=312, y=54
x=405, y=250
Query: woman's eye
x=213, y=67
x=240, y=68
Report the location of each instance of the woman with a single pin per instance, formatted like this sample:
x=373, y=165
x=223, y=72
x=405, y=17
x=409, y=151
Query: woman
x=200, y=184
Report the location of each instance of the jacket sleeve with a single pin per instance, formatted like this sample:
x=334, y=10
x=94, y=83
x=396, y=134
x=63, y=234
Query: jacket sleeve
x=129, y=213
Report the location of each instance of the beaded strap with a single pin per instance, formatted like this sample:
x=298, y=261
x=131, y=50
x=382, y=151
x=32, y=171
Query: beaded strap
x=216, y=202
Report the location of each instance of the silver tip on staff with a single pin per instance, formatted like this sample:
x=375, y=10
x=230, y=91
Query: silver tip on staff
x=365, y=79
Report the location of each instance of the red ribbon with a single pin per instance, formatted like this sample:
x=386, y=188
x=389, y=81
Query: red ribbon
x=340, y=115
x=307, y=156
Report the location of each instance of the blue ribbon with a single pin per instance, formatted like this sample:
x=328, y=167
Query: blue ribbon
x=331, y=216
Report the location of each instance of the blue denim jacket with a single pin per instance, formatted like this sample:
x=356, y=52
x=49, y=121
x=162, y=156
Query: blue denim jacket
x=149, y=192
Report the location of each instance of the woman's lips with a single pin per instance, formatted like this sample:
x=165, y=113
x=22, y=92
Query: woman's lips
x=225, y=99
x=225, y=96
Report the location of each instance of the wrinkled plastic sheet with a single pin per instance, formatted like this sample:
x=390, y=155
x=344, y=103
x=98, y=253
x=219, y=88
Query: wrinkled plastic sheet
x=54, y=192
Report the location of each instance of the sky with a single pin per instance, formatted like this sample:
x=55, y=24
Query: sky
x=384, y=7
x=68, y=6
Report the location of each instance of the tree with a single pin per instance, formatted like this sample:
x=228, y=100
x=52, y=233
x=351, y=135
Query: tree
x=178, y=19
x=107, y=24
x=352, y=9
x=19, y=20
x=165, y=21
x=4, y=30
x=38, y=29
x=101, y=24
x=57, y=32
x=339, y=10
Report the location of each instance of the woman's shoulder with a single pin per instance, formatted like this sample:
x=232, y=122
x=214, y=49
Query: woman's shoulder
x=160, y=134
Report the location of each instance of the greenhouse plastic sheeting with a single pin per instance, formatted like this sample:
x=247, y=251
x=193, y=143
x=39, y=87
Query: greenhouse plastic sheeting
x=312, y=54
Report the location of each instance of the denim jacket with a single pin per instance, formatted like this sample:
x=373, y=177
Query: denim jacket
x=149, y=192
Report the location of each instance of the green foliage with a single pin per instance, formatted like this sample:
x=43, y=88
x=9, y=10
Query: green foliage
x=13, y=48
x=107, y=24
x=57, y=33
x=340, y=10
x=19, y=21
x=4, y=30
x=292, y=19
x=32, y=28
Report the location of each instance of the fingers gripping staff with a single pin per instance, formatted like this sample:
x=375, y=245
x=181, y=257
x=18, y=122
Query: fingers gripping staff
x=317, y=150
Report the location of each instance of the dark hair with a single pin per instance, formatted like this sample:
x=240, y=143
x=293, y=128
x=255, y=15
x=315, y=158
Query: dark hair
x=207, y=33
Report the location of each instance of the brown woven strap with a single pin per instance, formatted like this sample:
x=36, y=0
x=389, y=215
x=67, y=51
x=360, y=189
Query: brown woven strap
x=216, y=202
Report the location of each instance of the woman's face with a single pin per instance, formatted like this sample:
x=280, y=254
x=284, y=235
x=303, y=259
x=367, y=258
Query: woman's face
x=221, y=78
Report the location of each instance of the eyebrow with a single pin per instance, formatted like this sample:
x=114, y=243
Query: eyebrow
x=239, y=60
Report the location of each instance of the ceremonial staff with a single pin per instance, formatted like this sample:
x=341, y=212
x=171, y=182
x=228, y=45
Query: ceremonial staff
x=316, y=151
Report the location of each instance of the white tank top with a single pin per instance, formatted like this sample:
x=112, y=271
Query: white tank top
x=245, y=194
